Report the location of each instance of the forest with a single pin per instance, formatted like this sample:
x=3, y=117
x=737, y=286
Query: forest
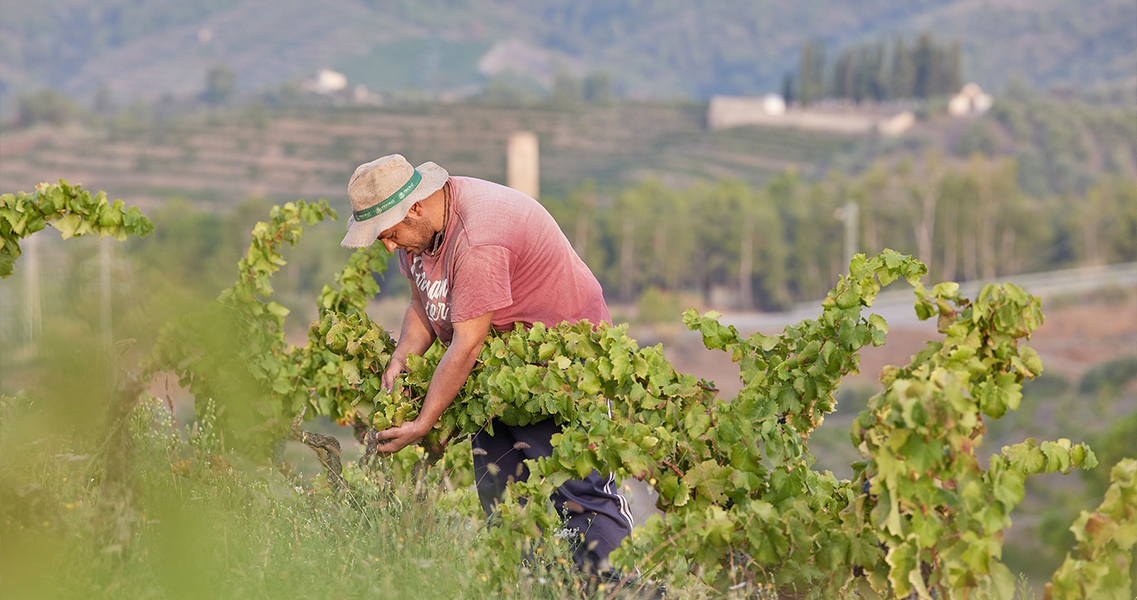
x=782, y=243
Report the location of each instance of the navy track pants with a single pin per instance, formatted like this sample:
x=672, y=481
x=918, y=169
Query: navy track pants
x=593, y=506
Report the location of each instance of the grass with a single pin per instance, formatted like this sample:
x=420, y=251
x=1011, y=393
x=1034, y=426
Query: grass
x=196, y=522
x=193, y=523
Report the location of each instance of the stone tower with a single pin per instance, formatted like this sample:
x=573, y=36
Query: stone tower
x=522, y=169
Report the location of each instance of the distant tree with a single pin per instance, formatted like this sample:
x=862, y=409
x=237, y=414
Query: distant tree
x=874, y=72
x=632, y=207
x=509, y=89
x=818, y=70
x=923, y=196
x=288, y=94
x=46, y=106
x=220, y=84
x=102, y=102
x=861, y=72
x=843, y=75
x=811, y=75
x=925, y=66
x=675, y=242
x=788, y=88
x=761, y=248
x=977, y=139
x=902, y=80
x=954, y=71
x=567, y=89
x=579, y=212
x=805, y=73
x=1107, y=218
x=598, y=88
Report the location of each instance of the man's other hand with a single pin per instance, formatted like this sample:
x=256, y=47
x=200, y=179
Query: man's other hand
x=396, y=438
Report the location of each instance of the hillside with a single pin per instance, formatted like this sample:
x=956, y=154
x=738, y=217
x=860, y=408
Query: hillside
x=219, y=158
x=651, y=50
x=152, y=152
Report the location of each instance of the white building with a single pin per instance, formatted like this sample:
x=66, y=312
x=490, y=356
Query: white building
x=330, y=82
x=773, y=104
x=732, y=111
x=969, y=101
x=770, y=111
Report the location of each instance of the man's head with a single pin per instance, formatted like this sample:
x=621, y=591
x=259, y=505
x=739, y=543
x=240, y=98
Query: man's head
x=382, y=192
x=413, y=234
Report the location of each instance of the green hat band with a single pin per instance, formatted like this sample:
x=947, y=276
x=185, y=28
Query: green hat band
x=393, y=199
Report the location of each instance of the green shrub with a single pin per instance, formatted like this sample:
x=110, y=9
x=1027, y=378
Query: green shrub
x=1110, y=375
x=657, y=306
x=1047, y=385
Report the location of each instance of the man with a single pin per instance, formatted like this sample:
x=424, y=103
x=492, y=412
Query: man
x=480, y=255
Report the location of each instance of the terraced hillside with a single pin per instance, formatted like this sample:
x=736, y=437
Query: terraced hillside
x=222, y=157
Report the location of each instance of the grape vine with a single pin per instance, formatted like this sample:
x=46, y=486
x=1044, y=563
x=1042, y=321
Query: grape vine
x=742, y=505
x=234, y=351
x=68, y=208
x=1106, y=537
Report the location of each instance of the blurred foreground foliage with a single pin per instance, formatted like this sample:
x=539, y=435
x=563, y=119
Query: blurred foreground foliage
x=202, y=523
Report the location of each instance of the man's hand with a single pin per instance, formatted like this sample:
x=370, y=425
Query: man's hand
x=392, y=371
x=449, y=377
x=396, y=438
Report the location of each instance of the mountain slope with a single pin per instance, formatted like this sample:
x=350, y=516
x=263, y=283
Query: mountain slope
x=663, y=48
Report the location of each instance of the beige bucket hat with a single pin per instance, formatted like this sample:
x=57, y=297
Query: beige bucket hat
x=382, y=191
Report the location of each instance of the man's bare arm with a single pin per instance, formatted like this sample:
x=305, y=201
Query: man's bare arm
x=448, y=379
x=415, y=338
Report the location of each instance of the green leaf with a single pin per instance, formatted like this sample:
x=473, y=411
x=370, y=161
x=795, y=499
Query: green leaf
x=903, y=561
x=696, y=423
x=278, y=310
x=766, y=343
x=583, y=464
x=709, y=479
x=1026, y=456
x=350, y=371
x=879, y=328
x=715, y=336
x=589, y=378
x=848, y=298
x=674, y=491
x=947, y=289
x=1031, y=360
x=922, y=455
x=67, y=224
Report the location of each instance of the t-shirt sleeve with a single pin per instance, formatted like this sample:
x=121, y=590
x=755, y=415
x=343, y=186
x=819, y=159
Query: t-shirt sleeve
x=481, y=282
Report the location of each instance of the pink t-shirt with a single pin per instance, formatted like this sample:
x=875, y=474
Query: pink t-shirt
x=502, y=252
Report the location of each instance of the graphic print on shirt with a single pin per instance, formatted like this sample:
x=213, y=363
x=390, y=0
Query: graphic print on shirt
x=435, y=295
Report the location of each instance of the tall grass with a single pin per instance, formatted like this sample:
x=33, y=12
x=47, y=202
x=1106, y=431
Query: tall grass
x=195, y=522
